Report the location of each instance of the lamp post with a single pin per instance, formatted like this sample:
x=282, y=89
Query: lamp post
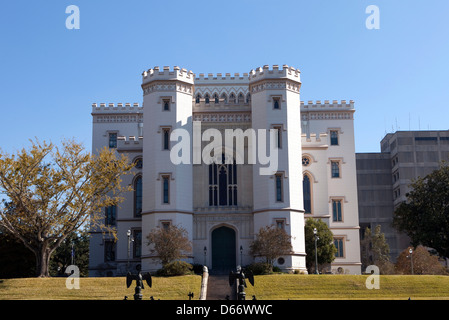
x=411, y=258
x=128, y=233
x=205, y=254
x=316, y=251
x=241, y=255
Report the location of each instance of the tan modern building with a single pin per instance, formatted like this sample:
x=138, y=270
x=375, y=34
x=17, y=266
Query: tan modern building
x=384, y=178
x=222, y=156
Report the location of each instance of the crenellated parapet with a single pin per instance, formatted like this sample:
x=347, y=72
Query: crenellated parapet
x=166, y=74
x=327, y=105
x=116, y=108
x=314, y=140
x=129, y=144
x=276, y=72
x=219, y=79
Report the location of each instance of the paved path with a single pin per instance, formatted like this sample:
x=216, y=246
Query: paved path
x=218, y=288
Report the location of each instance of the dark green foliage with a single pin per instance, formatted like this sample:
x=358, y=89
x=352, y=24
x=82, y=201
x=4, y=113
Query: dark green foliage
x=175, y=268
x=16, y=261
x=325, y=245
x=425, y=215
x=259, y=268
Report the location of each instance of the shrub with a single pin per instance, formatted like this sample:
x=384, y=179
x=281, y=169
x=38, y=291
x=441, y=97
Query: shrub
x=259, y=268
x=176, y=268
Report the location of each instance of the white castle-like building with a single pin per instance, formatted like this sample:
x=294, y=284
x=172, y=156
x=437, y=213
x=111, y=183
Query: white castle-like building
x=223, y=205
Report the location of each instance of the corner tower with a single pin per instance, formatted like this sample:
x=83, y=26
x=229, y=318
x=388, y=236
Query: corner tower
x=278, y=195
x=167, y=197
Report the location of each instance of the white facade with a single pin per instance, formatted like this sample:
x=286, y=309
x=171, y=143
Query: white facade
x=223, y=206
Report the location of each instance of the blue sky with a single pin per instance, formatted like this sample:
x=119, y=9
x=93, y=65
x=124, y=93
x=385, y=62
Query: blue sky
x=50, y=76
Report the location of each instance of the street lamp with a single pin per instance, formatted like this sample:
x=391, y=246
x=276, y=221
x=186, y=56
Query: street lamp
x=241, y=255
x=316, y=251
x=205, y=254
x=411, y=258
x=128, y=233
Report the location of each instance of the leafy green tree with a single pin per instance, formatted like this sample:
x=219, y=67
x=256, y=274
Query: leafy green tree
x=325, y=245
x=53, y=191
x=271, y=242
x=375, y=250
x=16, y=261
x=424, y=217
x=62, y=256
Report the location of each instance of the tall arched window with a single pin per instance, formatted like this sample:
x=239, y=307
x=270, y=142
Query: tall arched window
x=232, y=98
x=307, y=193
x=223, y=183
x=215, y=96
x=207, y=98
x=197, y=99
x=224, y=97
x=138, y=196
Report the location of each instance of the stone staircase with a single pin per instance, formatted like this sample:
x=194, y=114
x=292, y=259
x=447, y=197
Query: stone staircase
x=218, y=288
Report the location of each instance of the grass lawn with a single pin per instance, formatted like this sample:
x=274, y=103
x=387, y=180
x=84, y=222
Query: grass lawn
x=333, y=287
x=172, y=288
x=270, y=287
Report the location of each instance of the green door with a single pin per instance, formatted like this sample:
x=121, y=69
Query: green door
x=223, y=250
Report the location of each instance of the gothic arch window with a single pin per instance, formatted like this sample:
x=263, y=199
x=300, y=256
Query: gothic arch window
x=223, y=183
x=307, y=193
x=224, y=97
x=215, y=96
x=232, y=98
x=197, y=99
x=138, y=196
x=248, y=98
x=241, y=98
x=207, y=98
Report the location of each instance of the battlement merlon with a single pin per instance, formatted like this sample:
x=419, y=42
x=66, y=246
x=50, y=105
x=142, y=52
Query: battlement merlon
x=177, y=74
x=220, y=79
x=276, y=72
x=105, y=108
x=129, y=144
x=327, y=105
x=314, y=140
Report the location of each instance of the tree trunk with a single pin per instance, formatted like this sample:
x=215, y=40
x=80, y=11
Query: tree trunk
x=42, y=262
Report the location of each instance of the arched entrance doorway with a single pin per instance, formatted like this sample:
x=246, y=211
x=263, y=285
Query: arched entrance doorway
x=223, y=250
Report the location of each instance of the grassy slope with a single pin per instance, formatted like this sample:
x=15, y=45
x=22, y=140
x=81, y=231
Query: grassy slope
x=348, y=287
x=174, y=288
x=271, y=287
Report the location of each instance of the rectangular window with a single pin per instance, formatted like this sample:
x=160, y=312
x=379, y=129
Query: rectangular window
x=279, y=187
x=336, y=211
x=112, y=140
x=276, y=103
x=335, y=166
x=109, y=251
x=166, y=189
x=166, y=105
x=110, y=215
x=166, y=139
x=165, y=225
x=338, y=242
x=280, y=223
x=137, y=249
x=334, y=138
x=278, y=130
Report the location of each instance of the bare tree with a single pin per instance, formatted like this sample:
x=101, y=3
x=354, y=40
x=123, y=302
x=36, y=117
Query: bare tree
x=271, y=242
x=170, y=243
